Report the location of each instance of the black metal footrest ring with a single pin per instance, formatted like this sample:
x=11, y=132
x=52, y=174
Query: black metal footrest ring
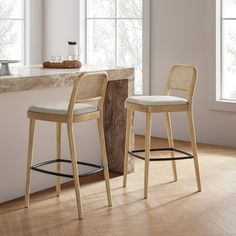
x=187, y=155
x=36, y=167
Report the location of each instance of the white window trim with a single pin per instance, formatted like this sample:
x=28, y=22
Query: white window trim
x=26, y=32
x=215, y=100
x=146, y=40
x=146, y=47
x=24, y=20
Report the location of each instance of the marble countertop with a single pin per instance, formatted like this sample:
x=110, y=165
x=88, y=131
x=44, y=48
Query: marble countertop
x=37, y=77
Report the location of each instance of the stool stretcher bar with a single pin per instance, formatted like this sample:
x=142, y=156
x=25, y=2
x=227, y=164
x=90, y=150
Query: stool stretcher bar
x=36, y=167
x=188, y=155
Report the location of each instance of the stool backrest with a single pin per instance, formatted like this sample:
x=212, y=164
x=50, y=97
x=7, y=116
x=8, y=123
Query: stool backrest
x=182, y=78
x=87, y=88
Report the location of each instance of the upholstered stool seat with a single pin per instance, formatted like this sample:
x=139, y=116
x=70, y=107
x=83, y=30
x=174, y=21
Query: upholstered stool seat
x=61, y=108
x=156, y=100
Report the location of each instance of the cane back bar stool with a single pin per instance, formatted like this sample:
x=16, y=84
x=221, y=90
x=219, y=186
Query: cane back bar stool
x=86, y=103
x=182, y=78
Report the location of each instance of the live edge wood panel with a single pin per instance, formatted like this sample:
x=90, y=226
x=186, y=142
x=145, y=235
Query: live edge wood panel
x=120, y=86
x=115, y=124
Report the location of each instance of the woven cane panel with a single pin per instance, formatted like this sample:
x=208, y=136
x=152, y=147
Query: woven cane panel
x=182, y=77
x=90, y=86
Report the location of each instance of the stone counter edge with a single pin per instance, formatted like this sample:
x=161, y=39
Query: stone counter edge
x=22, y=83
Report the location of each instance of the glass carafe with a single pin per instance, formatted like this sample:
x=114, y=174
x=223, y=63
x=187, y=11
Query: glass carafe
x=72, y=53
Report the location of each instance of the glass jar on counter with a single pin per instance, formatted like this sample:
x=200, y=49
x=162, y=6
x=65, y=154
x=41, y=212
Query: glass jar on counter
x=72, y=52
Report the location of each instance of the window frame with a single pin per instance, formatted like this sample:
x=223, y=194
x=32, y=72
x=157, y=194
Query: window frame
x=145, y=37
x=27, y=6
x=23, y=19
x=216, y=102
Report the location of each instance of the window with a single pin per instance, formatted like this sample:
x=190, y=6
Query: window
x=228, y=50
x=114, y=35
x=12, y=29
x=222, y=89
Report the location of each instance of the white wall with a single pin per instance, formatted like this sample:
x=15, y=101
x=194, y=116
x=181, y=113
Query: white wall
x=51, y=24
x=60, y=25
x=34, y=47
x=183, y=32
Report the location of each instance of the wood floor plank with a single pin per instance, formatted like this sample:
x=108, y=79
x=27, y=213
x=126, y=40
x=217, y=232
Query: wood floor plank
x=172, y=208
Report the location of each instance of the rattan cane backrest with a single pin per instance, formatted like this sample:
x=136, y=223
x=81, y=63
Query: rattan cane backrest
x=182, y=78
x=89, y=87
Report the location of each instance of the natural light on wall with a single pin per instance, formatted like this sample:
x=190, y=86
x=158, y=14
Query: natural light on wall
x=11, y=29
x=228, y=47
x=114, y=34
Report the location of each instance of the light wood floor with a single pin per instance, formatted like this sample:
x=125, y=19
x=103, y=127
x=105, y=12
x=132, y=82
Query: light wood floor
x=172, y=209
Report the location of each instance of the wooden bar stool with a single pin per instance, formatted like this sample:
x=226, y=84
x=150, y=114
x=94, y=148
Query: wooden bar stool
x=86, y=103
x=182, y=78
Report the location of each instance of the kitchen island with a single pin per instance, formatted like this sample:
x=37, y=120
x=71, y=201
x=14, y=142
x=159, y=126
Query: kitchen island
x=30, y=85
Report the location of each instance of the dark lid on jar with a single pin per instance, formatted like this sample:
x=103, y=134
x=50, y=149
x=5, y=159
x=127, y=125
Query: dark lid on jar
x=72, y=43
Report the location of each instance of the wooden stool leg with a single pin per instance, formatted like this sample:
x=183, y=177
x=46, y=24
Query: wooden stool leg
x=127, y=142
x=104, y=158
x=75, y=168
x=171, y=143
x=194, y=149
x=58, y=179
x=147, y=152
x=29, y=161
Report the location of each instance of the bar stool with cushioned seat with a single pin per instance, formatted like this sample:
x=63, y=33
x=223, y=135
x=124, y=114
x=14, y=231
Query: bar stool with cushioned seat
x=86, y=103
x=182, y=78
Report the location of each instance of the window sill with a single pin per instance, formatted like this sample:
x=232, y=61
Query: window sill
x=223, y=105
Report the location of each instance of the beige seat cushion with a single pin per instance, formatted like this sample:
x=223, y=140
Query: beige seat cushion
x=156, y=100
x=60, y=108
